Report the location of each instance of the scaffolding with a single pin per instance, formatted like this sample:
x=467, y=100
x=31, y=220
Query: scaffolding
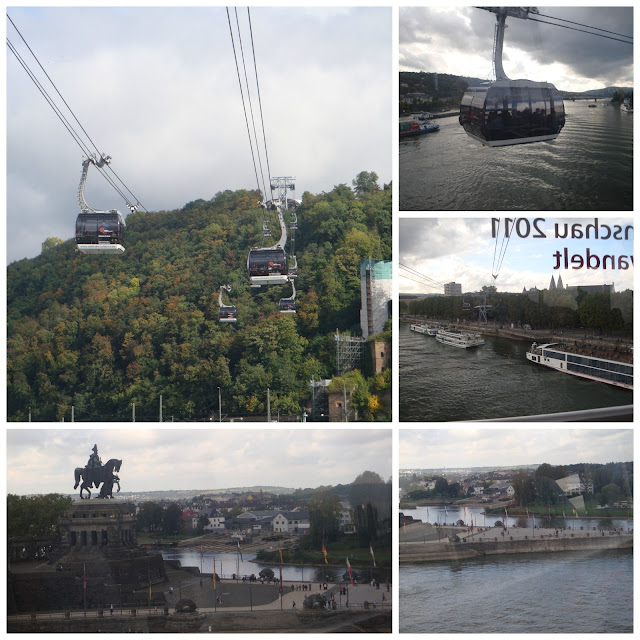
x=375, y=276
x=349, y=352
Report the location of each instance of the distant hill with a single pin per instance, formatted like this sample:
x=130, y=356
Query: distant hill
x=418, y=90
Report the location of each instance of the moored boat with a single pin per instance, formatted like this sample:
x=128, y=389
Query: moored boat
x=460, y=339
x=555, y=356
x=416, y=128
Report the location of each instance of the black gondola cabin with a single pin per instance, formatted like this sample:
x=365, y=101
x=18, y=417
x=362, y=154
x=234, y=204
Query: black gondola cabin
x=267, y=266
x=228, y=314
x=509, y=112
x=100, y=232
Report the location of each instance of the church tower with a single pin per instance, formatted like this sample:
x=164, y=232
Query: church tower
x=552, y=285
x=560, y=285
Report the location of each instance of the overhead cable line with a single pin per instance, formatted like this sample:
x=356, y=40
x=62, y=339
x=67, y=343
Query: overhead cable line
x=78, y=140
x=402, y=266
x=255, y=67
x=495, y=246
x=246, y=118
x=622, y=35
x=424, y=284
x=564, y=26
x=253, y=120
x=57, y=110
x=503, y=249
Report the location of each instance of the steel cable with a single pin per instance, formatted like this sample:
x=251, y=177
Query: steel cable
x=68, y=126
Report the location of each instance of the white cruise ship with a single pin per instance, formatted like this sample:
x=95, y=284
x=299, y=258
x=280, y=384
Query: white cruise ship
x=552, y=355
x=460, y=339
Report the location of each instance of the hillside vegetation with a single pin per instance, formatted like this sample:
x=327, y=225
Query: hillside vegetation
x=103, y=332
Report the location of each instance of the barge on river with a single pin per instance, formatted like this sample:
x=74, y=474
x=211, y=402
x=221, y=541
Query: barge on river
x=462, y=340
x=553, y=355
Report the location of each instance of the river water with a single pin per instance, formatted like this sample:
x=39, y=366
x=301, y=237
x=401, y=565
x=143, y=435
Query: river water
x=589, y=166
x=451, y=514
x=229, y=563
x=440, y=383
x=577, y=592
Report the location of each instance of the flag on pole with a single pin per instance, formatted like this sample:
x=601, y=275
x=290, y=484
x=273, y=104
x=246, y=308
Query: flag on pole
x=214, y=573
x=280, y=550
x=149, y=590
x=281, y=576
x=371, y=552
x=240, y=551
x=324, y=551
x=350, y=570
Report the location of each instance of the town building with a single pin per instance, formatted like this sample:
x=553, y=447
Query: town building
x=216, y=520
x=452, y=289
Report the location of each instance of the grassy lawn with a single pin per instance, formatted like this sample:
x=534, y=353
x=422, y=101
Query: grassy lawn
x=337, y=553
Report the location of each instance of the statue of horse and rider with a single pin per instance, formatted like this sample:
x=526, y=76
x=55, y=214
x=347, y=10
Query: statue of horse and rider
x=96, y=474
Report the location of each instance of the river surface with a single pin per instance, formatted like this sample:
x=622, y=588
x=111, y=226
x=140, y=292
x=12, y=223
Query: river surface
x=229, y=563
x=451, y=514
x=440, y=383
x=588, y=167
x=577, y=592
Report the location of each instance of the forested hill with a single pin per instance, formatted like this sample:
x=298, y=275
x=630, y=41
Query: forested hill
x=100, y=333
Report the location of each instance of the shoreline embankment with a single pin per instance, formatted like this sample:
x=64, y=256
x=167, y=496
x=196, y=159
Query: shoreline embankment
x=412, y=553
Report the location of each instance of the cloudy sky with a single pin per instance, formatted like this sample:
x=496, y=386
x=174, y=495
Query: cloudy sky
x=43, y=460
x=459, y=41
x=462, y=250
x=437, y=448
x=156, y=88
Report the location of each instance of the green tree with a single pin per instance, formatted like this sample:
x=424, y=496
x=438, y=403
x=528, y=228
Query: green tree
x=324, y=511
x=203, y=521
x=172, y=521
x=35, y=515
x=50, y=243
x=524, y=488
x=150, y=516
x=441, y=487
x=365, y=182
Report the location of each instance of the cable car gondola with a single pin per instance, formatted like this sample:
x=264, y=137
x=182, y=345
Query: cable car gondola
x=507, y=112
x=227, y=313
x=288, y=305
x=97, y=232
x=100, y=232
x=267, y=266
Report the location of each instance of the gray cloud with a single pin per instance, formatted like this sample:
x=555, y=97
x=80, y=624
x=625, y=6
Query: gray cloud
x=435, y=448
x=467, y=30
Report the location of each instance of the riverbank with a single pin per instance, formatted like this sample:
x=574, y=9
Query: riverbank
x=291, y=621
x=421, y=542
x=560, y=512
x=624, y=345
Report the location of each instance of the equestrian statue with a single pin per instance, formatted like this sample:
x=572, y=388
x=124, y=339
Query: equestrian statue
x=96, y=474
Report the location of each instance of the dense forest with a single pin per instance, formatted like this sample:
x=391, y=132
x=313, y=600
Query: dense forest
x=101, y=333
x=546, y=309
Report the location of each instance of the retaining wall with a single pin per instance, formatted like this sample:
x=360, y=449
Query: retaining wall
x=461, y=550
